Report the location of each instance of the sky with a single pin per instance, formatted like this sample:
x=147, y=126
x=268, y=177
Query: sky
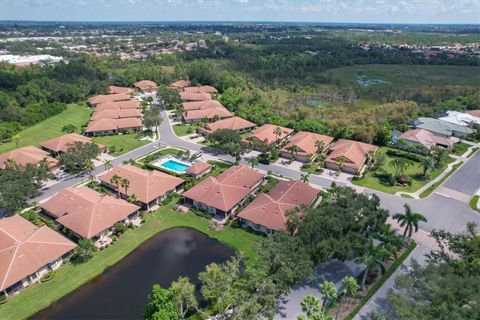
x=371, y=11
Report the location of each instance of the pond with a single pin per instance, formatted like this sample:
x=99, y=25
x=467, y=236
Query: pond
x=121, y=292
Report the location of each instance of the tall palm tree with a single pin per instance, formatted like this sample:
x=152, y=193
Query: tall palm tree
x=409, y=220
x=390, y=240
x=400, y=165
x=89, y=166
x=253, y=161
x=319, y=144
x=372, y=258
x=350, y=290
x=305, y=177
x=428, y=163
x=293, y=151
x=341, y=163
x=311, y=305
x=293, y=220
x=107, y=164
x=278, y=133
x=125, y=183
x=329, y=292
x=115, y=179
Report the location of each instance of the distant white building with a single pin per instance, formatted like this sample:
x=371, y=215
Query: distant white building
x=29, y=59
x=461, y=119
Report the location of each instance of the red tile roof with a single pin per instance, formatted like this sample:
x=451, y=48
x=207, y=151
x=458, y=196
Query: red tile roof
x=206, y=114
x=425, y=138
x=198, y=168
x=116, y=114
x=25, y=248
x=102, y=98
x=305, y=141
x=112, y=105
x=227, y=190
x=62, y=143
x=205, y=89
x=233, y=123
x=354, y=153
x=201, y=105
x=145, y=85
x=113, y=124
x=180, y=84
x=27, y=155
x=146, y=185
x=475, y=113
x=266, y=133
x=269, y=209
x=188, y=96
x=87, y=212
x=115, y=89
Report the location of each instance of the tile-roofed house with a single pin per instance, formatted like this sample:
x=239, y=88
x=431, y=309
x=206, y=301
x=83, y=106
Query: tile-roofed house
x=102, y=98
x=461, y=119
x=114, y=105
x=150, y=187
x=205, y=89
x=146, y=85
x=201, y=105
x=442, y=128
x=353, y=153
x=198, y=169
x=28, y=252
x=87, y=213
x=116, y=114
x=234, y=123
x=61, y=144
x=206, y=114
x=180, y=84
x=111, y=126
x=267, y=134
x=306, y=143
x=27, y=155
x=192, y=96
x=222, y=195
x=425, y=139
x=115, y=89
x=268, y=212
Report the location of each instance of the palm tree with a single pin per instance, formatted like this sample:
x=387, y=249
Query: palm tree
x=132, y=198
x=107, y=164
x=372, y=258
x=294, y=151
x=340, y=162
x=439, y=154
x=319, y=144
x=329, y=292
x=304, y=177
x=350, y=290
x=116, y=181
x=409, y=220
x=253, y=161
x=125, y=183
x=390, y=240
x=311, y=305
x=428, y=163
x=278, y=132
x=293, y=220
x=89, y=166
x=400, y=165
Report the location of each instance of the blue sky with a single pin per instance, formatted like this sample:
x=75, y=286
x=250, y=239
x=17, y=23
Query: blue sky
x=390, y=11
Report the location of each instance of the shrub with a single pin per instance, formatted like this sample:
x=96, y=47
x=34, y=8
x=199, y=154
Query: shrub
x=119, y=228
x=49, y=276
x=403, y=154
x=3, y=299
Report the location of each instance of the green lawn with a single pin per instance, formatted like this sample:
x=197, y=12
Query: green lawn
x=123, y=143
x=70, y=277
x=460, y=148
x=183, y=129
x=77, y=114
x=434, y=186
x=370, y=181
x=472, y=152
x=474, y=202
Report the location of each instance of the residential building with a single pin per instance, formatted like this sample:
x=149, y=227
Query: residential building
x=146, y=86
x=87, y=213
x=27, y=155
x=210, y=114
x=268, y=134
x=114, y=105
x=307, y=145
x=61, y=144
x=442, y=128
x=198, y=169
x=201, y=105
x=349, y=156
x=423, y=138
x=103, y=127
x=191, y=96
x=102, y=98
x=28, y=252
x=115, y=90
x=268, y=212
x=180, y=84
x=149, y=187
x=116, y=114
x=200, y=89
x=234, y=123
x=462, y=119
x=223, y=195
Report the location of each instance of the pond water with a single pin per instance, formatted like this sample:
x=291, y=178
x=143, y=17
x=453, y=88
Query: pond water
x=121, y=292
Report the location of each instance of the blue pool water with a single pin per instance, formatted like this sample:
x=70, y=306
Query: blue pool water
x=175, y=166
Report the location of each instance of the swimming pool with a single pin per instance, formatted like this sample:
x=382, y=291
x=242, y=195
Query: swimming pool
x=175, y=166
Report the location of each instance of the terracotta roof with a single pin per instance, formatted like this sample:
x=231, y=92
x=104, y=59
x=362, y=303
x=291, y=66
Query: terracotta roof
x=475, y=113
x=87, y=212
x=180, y=84
x=25, y=248
x=205, y=89
x=305, y=141
x=27, y=155
x=354, y=153
x=188, y=96
x=233, y=123
x=112, y=105
x=115, y=89
x=62, y=143
x=425, y=138
x=198, y=168
x=146, y=185
x=145, y=85
x=227, y=190
x=269, y=209
x=102, y=98
x=116, y=114
x=113, y=124
x=221, y=112
x=201, y=105
x=266, y=133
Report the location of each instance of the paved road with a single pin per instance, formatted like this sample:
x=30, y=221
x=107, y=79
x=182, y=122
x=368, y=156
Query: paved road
x=467, y=178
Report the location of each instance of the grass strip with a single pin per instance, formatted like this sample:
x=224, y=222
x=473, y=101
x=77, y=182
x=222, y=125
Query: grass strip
x=430, y=189
x=474, y=202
